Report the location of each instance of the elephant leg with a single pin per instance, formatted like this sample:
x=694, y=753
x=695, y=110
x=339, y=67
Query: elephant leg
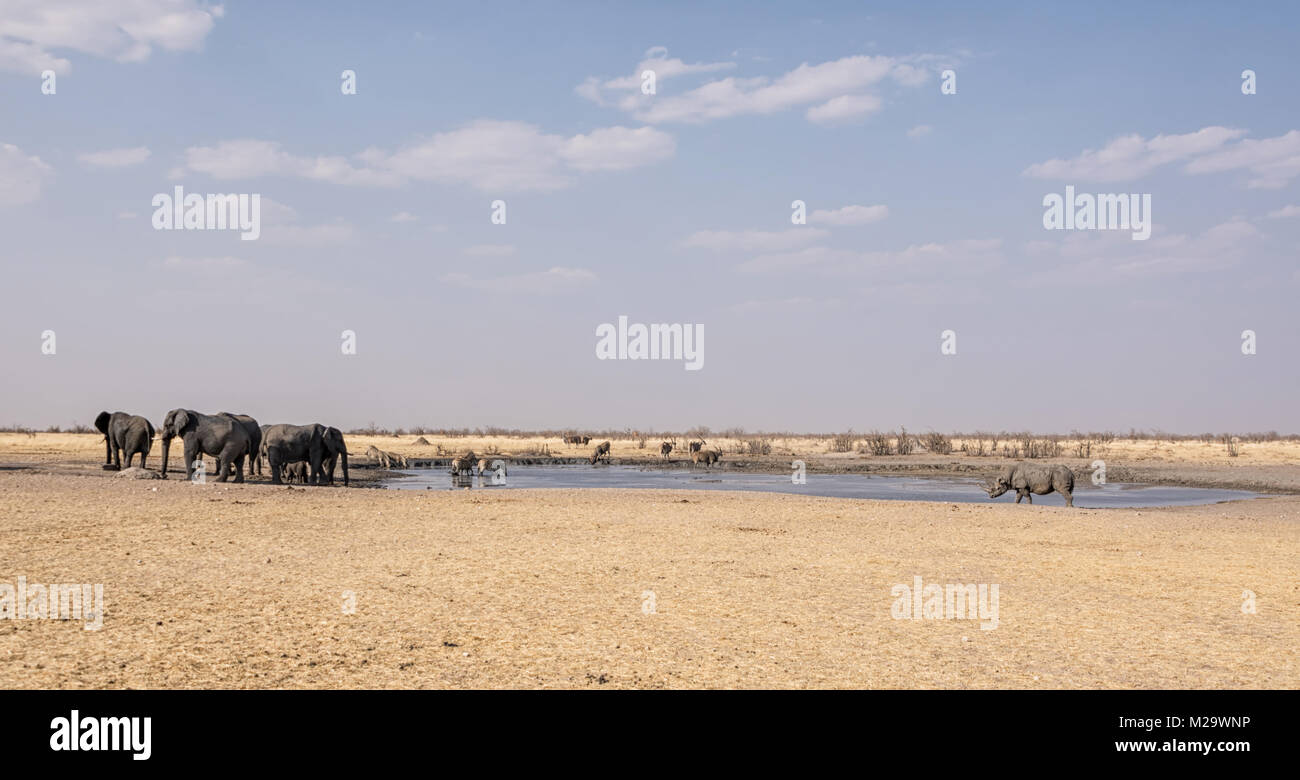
x=239, y=469
x=1029, y=497
x=1019, y=496
x=1069, y=497
x=273, y=463
x=223, y=467
x=143, y=455
x=191, y=454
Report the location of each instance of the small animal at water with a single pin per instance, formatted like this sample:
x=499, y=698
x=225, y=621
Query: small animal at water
x=1028, y=479
x=601, y=451
x=665, y=448
x=707, y=457
x=463, y=464
x=385, y=459
x=485, y=467
x=696, y=446
x=582, y=440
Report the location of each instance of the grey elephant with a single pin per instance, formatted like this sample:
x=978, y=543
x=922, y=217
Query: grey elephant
x=124, y=434
x=254, y=432
x=317, y=444
x=296, y=472
x=335, y=448
x=1028, y=479
x=261, y=449
x=217, y=435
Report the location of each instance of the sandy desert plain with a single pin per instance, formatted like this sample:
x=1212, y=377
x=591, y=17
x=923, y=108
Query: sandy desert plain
x=261, y=586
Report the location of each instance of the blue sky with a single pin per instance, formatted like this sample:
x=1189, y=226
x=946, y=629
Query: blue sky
x=667, y=208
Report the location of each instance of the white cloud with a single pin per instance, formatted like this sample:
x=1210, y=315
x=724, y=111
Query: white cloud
x=625, y=91
x=1097, y=257
x=21, y=176
x=122, y=30
x=919, y=130
x=617, y=148
x=491, y=155
x=548, y=282
x=403, y=216
x=1132, y=157
x=850, y=215
x=251, y=159
x=964, y=257
x=832, y=91
x=490, y=250
x=753, y=240
x=1274, y=161
x=841, y=108
x=281, y=227
x=115, y=158
x=1284, y=212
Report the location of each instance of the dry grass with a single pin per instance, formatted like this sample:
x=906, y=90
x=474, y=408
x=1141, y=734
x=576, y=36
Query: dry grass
x=242, y=586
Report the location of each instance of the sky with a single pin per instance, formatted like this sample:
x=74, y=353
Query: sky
x=924, y=213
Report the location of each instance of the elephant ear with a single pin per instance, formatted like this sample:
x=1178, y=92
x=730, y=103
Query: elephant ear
x=101, y=422
x=181, y=420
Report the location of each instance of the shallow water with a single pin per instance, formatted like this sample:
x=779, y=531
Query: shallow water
x=952, y=489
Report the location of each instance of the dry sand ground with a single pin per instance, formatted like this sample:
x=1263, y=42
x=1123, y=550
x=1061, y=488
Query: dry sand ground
x=242, y=586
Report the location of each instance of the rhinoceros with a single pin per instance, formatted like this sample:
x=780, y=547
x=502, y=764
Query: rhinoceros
x=1027, y=479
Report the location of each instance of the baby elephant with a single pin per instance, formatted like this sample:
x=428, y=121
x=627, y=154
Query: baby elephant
x=1028, y=479
x=296, y=472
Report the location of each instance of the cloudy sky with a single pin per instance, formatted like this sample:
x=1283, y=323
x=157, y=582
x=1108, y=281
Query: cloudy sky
x=924, y=213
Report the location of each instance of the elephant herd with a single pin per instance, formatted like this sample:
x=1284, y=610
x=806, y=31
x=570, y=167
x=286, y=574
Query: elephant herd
x=308, y=453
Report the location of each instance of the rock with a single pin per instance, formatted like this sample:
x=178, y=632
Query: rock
x=423, y=442
x=135, y=472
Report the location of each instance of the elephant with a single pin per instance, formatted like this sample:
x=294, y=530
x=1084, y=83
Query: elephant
x=261, y=450
x=296, y=471
x=315, y=443
x=601, y=451
x=334, y=448
x=707, y=457
x=254, y=432
x=220, y=436
x=124, y=434
x=1028, y=479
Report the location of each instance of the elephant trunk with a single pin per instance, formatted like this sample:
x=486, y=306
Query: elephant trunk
x=166, y=450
